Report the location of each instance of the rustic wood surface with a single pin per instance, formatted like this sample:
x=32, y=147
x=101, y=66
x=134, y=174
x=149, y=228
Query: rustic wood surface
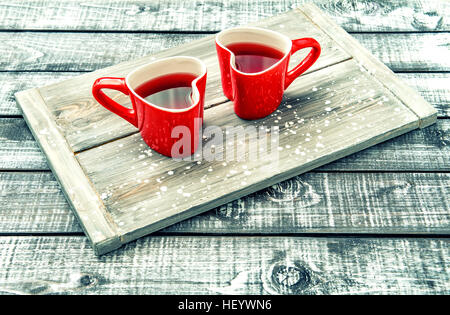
x=361, y=112
x=426, y=113
x=409, y=202
x=210, y=16
x=226, y=265
x=391, y=203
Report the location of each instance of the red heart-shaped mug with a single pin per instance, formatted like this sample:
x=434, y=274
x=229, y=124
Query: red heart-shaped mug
x=158, y=123
x=254, y=67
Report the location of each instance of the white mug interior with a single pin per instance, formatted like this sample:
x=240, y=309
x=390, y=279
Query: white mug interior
x=171, y=65
x=254, y=35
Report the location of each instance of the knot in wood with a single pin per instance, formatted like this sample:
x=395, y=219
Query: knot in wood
x=287, y=190
x=290, y=278
x=364, y=8
x=235, y=211
x=295, y=190
x=86, y=280
x=437, y=137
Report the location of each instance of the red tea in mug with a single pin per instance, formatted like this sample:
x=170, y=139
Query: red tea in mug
x=251, y=57
x=167, y=83
x=171, y=91
x=254, y=67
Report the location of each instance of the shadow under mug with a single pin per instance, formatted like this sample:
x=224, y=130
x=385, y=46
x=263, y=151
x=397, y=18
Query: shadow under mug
x=256, y=95
x=156, y=123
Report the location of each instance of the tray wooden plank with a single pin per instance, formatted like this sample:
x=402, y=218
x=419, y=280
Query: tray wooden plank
x=342, y=105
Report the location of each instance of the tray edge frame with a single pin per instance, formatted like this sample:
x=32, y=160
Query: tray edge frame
x=85, y=202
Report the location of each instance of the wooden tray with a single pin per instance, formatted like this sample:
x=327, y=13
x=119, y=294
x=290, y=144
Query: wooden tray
x=121, y=190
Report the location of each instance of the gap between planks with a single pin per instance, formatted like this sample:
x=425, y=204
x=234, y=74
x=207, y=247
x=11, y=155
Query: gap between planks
x=191, y=32
x=316, y=170
x=354, y=235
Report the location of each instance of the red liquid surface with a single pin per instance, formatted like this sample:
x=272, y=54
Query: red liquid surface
x=168, y=91
x=251, y=57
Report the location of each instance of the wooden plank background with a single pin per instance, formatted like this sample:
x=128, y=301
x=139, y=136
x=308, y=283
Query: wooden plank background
x=316, y=202
x=212, y=16
x=398, y=187
x=226, y=265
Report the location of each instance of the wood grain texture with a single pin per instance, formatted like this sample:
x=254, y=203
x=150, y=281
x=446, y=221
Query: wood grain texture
x=18, y=148
x=432, y=86
x=420, y=150
x=65, y=51
x=421, y=157
x=373, y=203
x=419, y=51
x=226, y=265
x=85, y=123
x=83, y=199
x=74, y=106
x=13, y=82
x=177, y=15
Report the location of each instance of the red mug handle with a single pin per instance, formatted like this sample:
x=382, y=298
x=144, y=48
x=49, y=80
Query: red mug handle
x=309, y=60
x=117, y=84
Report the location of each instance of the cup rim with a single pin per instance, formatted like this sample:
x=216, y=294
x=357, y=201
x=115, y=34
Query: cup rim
x=259, y=29
x=195, y=92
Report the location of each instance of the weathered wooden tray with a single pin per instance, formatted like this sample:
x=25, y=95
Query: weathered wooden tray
x=346, y=102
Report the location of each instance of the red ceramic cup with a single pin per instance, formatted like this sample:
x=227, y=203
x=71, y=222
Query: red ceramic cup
x=256, y=95
x=156, y=123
